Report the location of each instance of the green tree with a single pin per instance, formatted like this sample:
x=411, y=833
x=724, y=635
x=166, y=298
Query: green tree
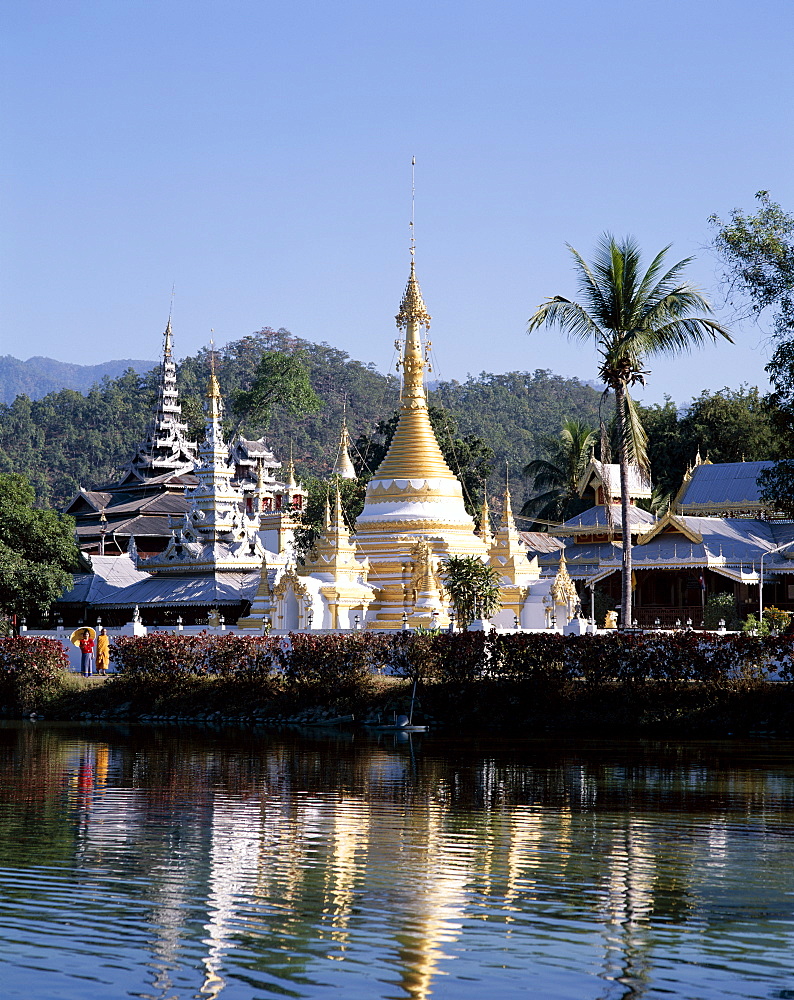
x=38, y=553
x=473, y=588
x=757, y=254
x=319, y=493
x=630, y=316
x=731, y=425
x=279, y=379
x=558, y=478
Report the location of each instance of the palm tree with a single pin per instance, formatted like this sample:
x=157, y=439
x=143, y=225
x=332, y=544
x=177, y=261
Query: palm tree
x=630, y=316
x=559, y=477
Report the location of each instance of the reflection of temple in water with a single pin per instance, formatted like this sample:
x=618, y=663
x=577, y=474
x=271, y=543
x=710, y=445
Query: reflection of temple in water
x=291, y=865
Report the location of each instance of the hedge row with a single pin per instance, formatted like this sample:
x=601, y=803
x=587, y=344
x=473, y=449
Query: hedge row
x=304, y=662
x=327, y=666
x=30, y=668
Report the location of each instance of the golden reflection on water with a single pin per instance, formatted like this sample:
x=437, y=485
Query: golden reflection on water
x=291, y=862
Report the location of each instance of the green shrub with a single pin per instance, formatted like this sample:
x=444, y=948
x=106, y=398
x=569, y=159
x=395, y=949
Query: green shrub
x=721, y=607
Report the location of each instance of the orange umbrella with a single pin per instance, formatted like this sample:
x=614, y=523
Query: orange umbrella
x=77, y=635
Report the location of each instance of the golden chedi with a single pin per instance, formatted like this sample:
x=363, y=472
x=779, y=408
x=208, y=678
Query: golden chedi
x=414, y=516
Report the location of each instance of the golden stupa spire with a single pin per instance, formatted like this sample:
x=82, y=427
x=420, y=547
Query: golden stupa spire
x=563, y=588
x=168, y=347
x=507, y=525
x=213, y=389
x=338, y=525
x=484, y=527
x=343, y=467
x=414, y=452
x=327, y=515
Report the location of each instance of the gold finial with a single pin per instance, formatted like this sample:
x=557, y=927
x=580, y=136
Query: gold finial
x=213, y=390
x=413, y=204
x=291, y=471
x=338, y=520
x=167, y=335
x=507, y=510
x=327, y=516
x=167, y=352
x=485, y=520
x=343, y=467
x=412, y=306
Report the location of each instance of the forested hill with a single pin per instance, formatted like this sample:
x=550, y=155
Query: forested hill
x=67, y=439
x=38, y=376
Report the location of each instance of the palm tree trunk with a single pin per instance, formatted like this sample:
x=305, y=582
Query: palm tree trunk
x=625, y=524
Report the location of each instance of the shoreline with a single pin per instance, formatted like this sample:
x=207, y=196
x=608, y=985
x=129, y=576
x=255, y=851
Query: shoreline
x=756, y=708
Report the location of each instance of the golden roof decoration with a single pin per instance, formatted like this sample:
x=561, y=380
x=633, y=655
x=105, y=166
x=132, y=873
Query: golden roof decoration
x=563, y=589
x=412, y=307
x=213, y=389
x=167, y=350
x=343, y=467
x=484, y=527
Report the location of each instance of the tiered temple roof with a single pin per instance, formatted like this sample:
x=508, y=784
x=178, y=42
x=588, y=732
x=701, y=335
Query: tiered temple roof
x=166, y=448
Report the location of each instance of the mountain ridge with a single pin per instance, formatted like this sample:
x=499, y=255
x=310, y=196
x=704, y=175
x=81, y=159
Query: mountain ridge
x=39, y=375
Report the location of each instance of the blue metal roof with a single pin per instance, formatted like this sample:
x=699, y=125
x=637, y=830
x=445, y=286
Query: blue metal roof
x=728, y=484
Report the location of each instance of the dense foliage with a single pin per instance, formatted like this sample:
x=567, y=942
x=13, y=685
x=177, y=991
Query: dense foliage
x=733, y=425
x=30, y=668
x=313, y=668
x=473, y=588
x=555, y=481
x=321, y=497
x=516, y=413
x=37, y=550
x=757, y=254
x=38, y=376
x=66, y=440
x=333, y=667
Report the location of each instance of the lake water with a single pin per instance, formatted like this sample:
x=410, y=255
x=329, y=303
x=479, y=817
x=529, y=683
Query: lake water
x=171, y=864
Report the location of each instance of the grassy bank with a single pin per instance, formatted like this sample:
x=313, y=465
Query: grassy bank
x=610, y=711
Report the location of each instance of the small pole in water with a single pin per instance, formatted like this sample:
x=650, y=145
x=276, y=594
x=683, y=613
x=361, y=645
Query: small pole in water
x=413, y=695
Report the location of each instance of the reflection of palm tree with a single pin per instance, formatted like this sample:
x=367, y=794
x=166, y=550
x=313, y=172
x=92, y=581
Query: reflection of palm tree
x=556, y=480
x=629, y=316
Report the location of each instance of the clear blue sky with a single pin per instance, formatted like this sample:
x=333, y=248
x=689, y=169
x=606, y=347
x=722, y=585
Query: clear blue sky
x=257, y=155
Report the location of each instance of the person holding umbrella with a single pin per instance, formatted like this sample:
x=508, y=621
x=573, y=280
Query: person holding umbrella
x=83, y=638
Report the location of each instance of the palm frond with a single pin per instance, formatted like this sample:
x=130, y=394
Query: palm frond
x=592, y=286
x=649, y=282
x=680, y=335
x=569, y=316
x=635, y=439
x=544, y=474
